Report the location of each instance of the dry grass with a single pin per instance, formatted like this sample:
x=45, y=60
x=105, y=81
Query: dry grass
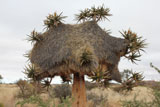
x=9, y=91
x=7, y=94
x=114, y=98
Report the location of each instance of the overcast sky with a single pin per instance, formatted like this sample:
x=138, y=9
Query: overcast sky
x=19, y=17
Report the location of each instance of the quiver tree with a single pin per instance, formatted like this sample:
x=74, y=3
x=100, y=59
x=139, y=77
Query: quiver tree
x=80, y=49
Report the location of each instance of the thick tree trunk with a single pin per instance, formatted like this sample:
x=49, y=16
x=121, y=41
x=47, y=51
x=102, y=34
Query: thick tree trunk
x=79, y=91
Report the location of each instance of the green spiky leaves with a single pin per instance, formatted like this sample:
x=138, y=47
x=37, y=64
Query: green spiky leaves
x=30, y=71
x=46, y=83
x=86, y=58
x=135, y=45
x=131, y=79
x=94, y=13
x=100, y=75
x=99, y=13
x=34, y=37
x=83, y=16
x=137, y=76
x=53, y=20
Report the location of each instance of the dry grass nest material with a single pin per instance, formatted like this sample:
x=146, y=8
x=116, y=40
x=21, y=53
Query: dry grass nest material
x=80, y=47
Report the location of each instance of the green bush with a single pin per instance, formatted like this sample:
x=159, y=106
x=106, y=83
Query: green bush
x=1, y=105
x=156, y=101
x=43, y=103
x=34, y=100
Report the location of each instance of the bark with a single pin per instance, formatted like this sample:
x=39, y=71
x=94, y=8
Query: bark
x=79, y=91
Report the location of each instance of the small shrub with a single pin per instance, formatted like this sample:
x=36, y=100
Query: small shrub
x=27, y=89
x=34, y=100
x=136, y=103
x=62, y=91
x=97, y=100
x=156, y=101
x=1, y=105
x=66, y=102
x=90, y=86
x=44, y=103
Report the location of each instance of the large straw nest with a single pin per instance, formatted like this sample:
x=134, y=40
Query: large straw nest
x=61, y=49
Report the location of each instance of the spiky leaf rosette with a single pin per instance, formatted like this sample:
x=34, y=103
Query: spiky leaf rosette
x=83, y=16
x=131, y=80
x=135, y=46
x=86, y=58
x=99, y=13
x=46, y=83
x=27, y=55
x=54, y=20
x=100, y=75
x=94, y=13
x=30, y=71
x=34, y=37
x=137, y=76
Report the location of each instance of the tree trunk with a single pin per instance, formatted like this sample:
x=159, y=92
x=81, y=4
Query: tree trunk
x=79, y=91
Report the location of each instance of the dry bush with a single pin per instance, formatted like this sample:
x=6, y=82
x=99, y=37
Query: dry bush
x=90, y=86
x=142, y=103
x=97, y=99
x=27, y=89
x=136, y=103
x=61, y=91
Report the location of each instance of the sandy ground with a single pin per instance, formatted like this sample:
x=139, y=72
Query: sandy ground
x=7, y=94
x=9, y=91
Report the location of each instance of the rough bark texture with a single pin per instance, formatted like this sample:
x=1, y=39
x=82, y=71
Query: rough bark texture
x=79, y=91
